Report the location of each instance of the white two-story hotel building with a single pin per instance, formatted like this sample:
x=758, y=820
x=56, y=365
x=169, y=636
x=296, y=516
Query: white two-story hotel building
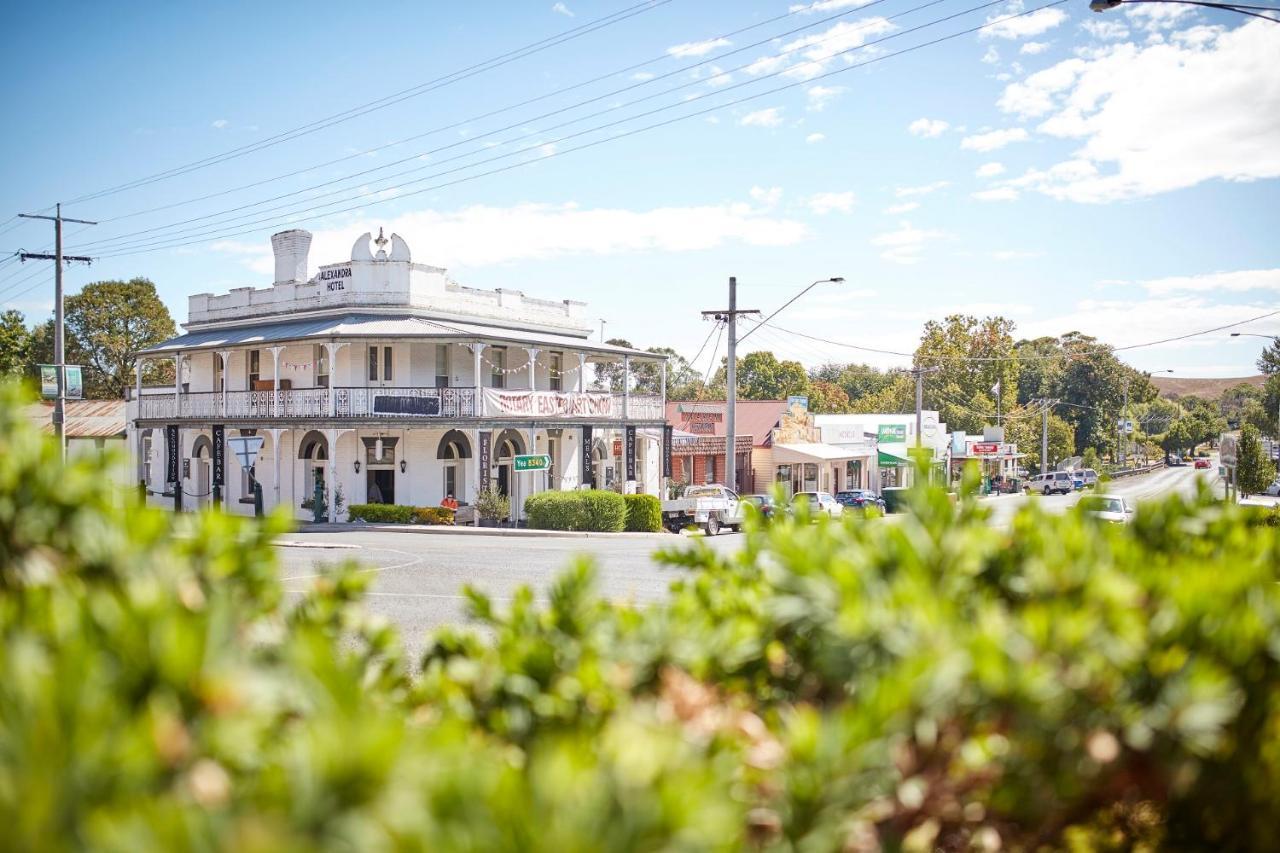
x=385, y=378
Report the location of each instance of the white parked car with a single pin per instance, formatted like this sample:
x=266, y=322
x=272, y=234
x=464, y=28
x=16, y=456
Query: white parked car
x=1112, y=508
x=1059, y=482
x=1090, y=477
x=1274, y=489
x=820, y=503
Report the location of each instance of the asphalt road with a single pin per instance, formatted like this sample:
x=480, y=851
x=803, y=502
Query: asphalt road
x=419, y=577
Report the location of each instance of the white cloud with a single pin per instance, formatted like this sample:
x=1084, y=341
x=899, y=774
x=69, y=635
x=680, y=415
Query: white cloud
x=717, y=76
x=820, y=96
x=1153, y=17
x=992, y=56
x=994, y=140
x=1033, y=48
x=907, y=192
x=1039, y=21
x=768, y=196
x=641, y=76
x=698, y=48
x=990, y=170
x=997, y=194
x=1111, y=321
x=825, y=6
x=927, y=127
x=220, y=123
x=1239, y=281
x=769, y=117
x=1106, y=30
x=464, y=237
x=815, y=137
x=824, y=203
x=1153, y=119
x=806, y=58
x=899, y=209
x=561, y=9
x=905, y=245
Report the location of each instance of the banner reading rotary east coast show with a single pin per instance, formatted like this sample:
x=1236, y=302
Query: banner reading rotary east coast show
x=536, y=404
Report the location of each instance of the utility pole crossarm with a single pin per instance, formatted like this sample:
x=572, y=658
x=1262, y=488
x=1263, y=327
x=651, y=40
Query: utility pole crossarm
x=41, y=256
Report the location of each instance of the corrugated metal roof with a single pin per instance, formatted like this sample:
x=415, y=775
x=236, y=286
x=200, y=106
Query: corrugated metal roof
x=84, y=418
x=376, y=326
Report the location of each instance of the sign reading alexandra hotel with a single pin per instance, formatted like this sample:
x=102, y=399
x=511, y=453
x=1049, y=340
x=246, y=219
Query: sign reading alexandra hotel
x=335, y=278
x=536, y=404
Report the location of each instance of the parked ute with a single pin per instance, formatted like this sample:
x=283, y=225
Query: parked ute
x=1055, y=482
x=820, y=503
x=710, y=507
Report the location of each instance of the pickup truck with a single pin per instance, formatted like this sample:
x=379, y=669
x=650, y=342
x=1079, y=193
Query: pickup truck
x=710, y=507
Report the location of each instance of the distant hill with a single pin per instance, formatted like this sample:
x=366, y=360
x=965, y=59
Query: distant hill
x=1208, y=388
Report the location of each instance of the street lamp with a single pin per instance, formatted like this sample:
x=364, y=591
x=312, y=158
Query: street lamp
x=730, y=316
x=1104, y=5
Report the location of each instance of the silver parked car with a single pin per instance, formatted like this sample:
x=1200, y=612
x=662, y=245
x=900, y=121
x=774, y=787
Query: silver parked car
x=820, y=503
x=1112, y=508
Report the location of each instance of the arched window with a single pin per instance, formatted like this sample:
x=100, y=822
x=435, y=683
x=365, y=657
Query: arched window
x=314, y=446
x=454, y=447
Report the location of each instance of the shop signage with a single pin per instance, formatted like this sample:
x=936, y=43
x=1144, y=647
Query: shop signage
x=540, y=404
x=986, y=448
x=1227, y=450
x=335, y=279
x=617, y=447
x=48, y=381
x=630, y=432
x=667, y=435
x=800, y=401
x=889, y=433
x=186, y=469
x=394, y=404
x=532, y=462
x=588, y=475
x=219, y=455
x=485, y=440
x=171, y=453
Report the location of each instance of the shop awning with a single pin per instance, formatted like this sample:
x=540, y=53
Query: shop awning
x=893, y=453
x=811, y=453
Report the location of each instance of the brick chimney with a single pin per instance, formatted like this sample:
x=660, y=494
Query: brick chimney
x=291, y=249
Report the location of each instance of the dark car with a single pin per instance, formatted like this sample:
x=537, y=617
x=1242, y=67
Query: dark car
x=860, y=499
x=763, y=503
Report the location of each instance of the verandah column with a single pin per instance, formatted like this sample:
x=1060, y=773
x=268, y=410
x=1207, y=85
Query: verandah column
x=225, y=356
x=477, y=349
x=331, y=352
x=533, y=364
x=275, y=372
x=582, y=372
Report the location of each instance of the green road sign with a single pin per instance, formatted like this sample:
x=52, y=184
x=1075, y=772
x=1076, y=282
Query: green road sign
x=533, y=462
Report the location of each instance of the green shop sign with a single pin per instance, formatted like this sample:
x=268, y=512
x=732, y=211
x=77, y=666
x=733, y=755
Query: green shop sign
x=532, y=462
x=890, y=433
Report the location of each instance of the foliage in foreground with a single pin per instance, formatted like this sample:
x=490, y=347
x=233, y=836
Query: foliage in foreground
x=922, y=683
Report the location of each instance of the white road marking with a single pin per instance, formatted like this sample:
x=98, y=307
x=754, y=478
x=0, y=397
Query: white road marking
x=371, y=570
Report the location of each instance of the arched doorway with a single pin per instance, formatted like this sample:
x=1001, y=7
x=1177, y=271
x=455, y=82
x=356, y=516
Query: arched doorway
x=313, y=450
x=506, y=447
x=454, y=447
x=202, y=453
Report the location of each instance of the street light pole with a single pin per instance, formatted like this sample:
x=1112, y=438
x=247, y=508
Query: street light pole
x=1238, y=8
x=730, y=317
x=1275, y=339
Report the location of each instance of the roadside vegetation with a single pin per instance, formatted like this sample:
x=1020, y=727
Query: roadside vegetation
x=929, y=684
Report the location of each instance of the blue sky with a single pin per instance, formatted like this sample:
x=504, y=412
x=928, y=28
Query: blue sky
x=1113, y=174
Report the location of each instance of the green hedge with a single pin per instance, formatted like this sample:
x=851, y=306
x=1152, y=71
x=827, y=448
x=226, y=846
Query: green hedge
x=397, y=514
x=644, y=513
x=598, y=511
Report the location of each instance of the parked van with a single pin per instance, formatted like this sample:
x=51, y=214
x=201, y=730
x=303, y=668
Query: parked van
x=1059, y=482
x=1090, y=477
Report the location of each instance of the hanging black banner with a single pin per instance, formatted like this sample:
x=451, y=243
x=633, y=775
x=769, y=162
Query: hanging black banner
x=171, y=450
x=631, y=452
x=668, y=432
x=485, y=440
x=219, y=455
x=588, y=475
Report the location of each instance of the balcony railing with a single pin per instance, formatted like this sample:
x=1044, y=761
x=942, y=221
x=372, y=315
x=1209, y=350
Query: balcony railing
x=398, y=403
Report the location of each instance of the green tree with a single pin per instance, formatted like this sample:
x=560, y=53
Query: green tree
x=109, y=322
x=1177, y=438
x=827, y=397
x=1254, y=471
x=1026, y=429
x=1040, y=368
x=973, y=357
x=895, y=397
x=1271, y=405
x=1234, y=401
x=15, y=343
x=762, y=377
x=857, y=380
x=1269, y=361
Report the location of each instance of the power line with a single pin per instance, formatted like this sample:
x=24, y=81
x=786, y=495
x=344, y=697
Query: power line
x=386, y=101
x=123, y=241
x=440, y=129
x=165, y=243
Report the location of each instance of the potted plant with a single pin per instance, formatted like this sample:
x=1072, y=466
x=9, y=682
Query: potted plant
x=492, y=507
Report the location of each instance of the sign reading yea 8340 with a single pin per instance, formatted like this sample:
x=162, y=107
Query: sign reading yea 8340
x=532, y=462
